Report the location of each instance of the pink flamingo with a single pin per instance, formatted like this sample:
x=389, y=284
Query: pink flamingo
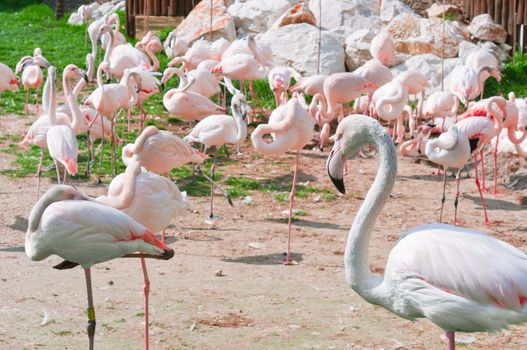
x=291, y=127
x=84, y=232
x=467, y=83
x=32, y=74
x=152, y=201
x=338, y=88
x=414, y=83
x=188, y=105
x=8, y=79
x=149, y=87
x=480, y=130
x=382, y=48
x=199, y=52
x=440, y=104
x=375, y=73
x=160, y=151
x=434, y=271
x=310, y=85
x=483, y=57
x=174, y=46
x=110, y=98
x=279, y=80
x=261, y=51
x=220, y=129
x=205, y=83
x=389, y=101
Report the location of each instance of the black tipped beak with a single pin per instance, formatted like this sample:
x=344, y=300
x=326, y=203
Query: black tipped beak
x=335, y=167
x=108, y=80
x=85, y=77
x=167, y=254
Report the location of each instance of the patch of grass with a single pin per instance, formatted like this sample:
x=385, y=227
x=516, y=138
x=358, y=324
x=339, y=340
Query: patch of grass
x=514, y=76
x=63, y=333
x=140, y=314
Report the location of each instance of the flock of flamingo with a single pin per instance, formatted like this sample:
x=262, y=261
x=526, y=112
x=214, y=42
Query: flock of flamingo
x=460, y=279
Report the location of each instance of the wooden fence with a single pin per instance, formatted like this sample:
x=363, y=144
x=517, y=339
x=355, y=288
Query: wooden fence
x=159, y=11
x=511, y=14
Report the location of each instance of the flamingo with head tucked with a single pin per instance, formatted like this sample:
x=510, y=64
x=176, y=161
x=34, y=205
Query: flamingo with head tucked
x=434, y=271
x=85, y=232
x=382, y=48
x=8, y=80
x=279, y=81
x=31, y=69
x=291, y=128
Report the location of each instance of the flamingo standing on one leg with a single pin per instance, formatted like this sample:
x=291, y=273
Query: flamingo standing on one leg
x=434, y=271
x=220, y=129
x=291, y=127
x=151, y=200
x=84, y=232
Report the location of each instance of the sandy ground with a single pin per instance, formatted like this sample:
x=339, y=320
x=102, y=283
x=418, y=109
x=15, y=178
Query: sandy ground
x=254, y=303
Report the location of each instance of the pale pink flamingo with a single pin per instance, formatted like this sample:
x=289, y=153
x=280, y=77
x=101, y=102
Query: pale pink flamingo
x=434, y=271
x=220, y=129
x=108, y=99
x=31, y=69
x=187, y=105
x=467, y=83
x=200, y=51
x=84, y=232
x=389, y=101
x=152, y=201
x=450, y=150
x=338, y=88
x=440, y=104
x=8, y=80
x=324, y=135
x=382, y=48
x=375, y=73
x=205, y=83
x=279, y=80
x=61, y=139
x=505, y=145
x=261, y=51
x=480, y=130
x=415, y=83
x=149, y=87
x=160, y=151
x=481, y=58
x=291, y=128
x=174, y=46
x=310, y=85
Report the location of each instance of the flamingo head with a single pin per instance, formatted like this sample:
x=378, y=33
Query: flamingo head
x=113, y=18
x=72, y=71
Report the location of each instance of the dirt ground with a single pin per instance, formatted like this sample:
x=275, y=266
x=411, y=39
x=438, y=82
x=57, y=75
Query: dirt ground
x=253, y=303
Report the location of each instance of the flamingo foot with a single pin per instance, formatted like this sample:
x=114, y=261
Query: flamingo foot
x=458, y=222
x=288, y=260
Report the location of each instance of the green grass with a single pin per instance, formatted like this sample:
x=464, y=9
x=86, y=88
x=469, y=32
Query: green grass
x=514, y=76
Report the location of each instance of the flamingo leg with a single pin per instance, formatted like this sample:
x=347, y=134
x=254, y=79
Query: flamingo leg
x=288, y=260
x=456, y=201
x=90, y=311
x=443, y=198
x=88, y=148
x=36, y=102
x=451, y=336
x=65, y=176
x=146, y=292
x=495, y=155
x=143, y=117
x=102, y=147
x=212, y=172
x=487, y=222
x=112, y=149
x=39, y=172
x=27, y=101
x=58, y=171
x=483, y=186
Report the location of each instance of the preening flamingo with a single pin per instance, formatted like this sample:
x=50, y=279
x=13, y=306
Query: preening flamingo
x=338, y=88
x=279, y=80
x=309, y=85
x=389, y=101
x=31, y=69
x=440, y=104
x=218, y=130
x=82, y=231
x=291, y=128
x=467, y=83
x=189, y=105
x=151, y=200
x=174, y=46
x=205, y=83
x=382, y=48
x=434, y=271
x=200, y=51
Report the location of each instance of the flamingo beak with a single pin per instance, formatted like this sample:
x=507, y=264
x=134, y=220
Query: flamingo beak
x=335, y=166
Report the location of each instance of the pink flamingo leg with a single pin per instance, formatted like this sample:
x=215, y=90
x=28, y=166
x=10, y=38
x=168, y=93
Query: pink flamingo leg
x=444, y=197
x=129, y=128
x=146, y=292
x=90, y=311
x=456, y=201
x=36, y=102
x=483, y=187
x=27, y=101
x=495, y=155
x=487, y=222
x=288, y=260
x=451, y=336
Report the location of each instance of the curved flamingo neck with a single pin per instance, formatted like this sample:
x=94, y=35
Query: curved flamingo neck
x=134, y=96
x=137, y=146
x=155, y=61
x=76, y=114
x=128, y=186
x=241, y=126
x=325, y=116
x=358, y=273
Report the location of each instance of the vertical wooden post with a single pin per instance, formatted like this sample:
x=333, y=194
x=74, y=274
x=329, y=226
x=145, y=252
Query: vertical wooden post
x=173, y=8
x=497, y=11
x=490, y=8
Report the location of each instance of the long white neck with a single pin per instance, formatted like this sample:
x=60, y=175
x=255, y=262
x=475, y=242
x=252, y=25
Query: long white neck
x=358, y=272
x=77, y=122
x=52, y=113
x=134, y=96
x=155, y=61
x=241, y=125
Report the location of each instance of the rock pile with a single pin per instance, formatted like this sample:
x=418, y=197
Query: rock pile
x=94, y=11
